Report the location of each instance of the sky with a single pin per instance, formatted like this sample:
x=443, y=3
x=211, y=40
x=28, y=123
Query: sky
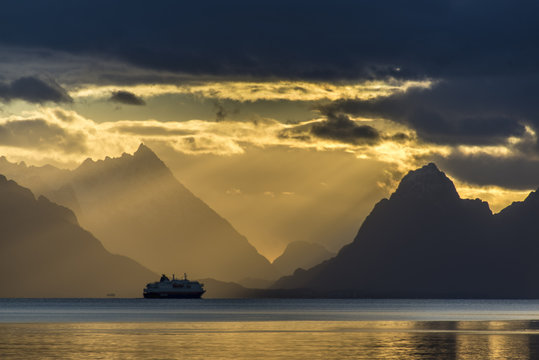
x=291, y=119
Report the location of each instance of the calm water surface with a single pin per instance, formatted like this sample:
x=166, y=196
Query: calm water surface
x=268, y=329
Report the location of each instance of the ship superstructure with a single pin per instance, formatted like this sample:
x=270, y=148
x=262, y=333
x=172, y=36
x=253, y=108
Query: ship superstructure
x=175, y=288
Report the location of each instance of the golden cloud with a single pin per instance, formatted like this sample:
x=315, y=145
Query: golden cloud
x=244, y=91
x=396, y=145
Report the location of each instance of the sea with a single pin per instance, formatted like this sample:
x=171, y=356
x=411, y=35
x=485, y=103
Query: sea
x=268, y=329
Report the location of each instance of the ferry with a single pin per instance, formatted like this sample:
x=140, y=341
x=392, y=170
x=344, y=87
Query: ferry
x=174, y=289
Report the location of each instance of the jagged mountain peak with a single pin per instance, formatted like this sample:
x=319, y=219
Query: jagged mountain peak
x=142, y=158
x=427, y=182
x=146, y=155
x=143, y=150
x=86, y=162
x=136, y=206
x=532, y=198
x=530, y=206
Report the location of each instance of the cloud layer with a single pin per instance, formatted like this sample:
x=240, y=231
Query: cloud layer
x=471, y=112
x=40, y=134
x=126, y=98
x=300, y=39
x=34, y=90
x=338, y=128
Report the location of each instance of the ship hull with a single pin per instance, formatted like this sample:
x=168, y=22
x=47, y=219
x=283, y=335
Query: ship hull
x=173, y=295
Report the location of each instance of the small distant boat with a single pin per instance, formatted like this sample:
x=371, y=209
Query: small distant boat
x=111, y=294
x=174, y=289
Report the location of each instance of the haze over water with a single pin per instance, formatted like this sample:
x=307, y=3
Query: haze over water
x=268, y=329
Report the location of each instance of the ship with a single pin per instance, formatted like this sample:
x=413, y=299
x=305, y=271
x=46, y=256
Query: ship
x=174, y=289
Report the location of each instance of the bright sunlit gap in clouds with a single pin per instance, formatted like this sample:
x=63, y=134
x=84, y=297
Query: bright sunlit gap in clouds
x=255, y=91
x=497, y=197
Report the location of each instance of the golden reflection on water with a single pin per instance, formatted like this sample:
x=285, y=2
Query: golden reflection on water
x=387, y=340
x=506, y=340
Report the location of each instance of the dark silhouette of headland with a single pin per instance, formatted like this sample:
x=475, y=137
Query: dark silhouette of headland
x=45, y=253
x=427, y=242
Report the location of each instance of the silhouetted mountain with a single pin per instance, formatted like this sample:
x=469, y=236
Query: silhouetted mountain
x=517, y=234
x=44, y=180
x=216, y=289
x=301, y=254
x=44, y=252
x=254, y=283
x=231, y=290
x=425, y=241
x=137, y=208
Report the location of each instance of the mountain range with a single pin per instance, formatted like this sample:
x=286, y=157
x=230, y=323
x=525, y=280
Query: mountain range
x=136, y=207
x=45, y=253
x=424, y=241
x=301, y=254
x=427, y=242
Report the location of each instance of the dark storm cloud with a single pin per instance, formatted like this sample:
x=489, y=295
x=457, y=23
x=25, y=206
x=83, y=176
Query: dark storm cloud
x=299, y=39
x=400, y=137
x=482, y=50
x=39, y=134
x=473, y=111
x=34, y=90
x=484, y=53
x=337, y=127
x=127, y=98
x=516, y=172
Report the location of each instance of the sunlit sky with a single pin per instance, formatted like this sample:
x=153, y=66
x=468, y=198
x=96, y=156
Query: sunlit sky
x=290, y=120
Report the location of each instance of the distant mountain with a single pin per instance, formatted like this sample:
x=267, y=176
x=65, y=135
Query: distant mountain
x=44, y=252
x=301, y=254
x=425, y=241
x=44, y=180
x=216, y=289
x=137, y=208
x=254, y=283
